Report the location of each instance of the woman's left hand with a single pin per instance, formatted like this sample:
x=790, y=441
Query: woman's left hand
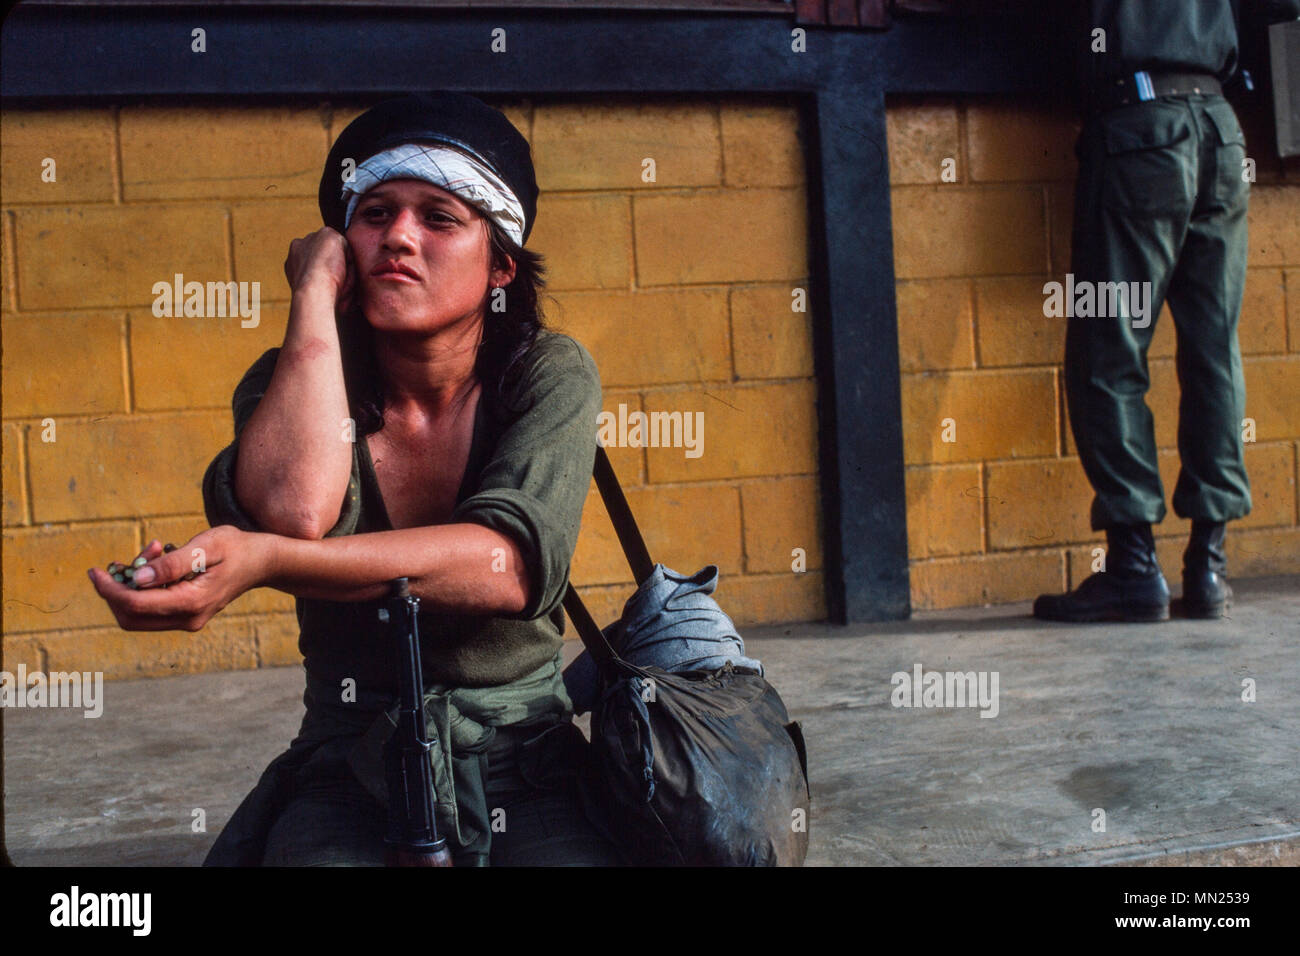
x=230, y=562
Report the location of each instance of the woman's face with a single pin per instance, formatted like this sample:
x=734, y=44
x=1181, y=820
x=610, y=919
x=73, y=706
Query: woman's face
x=422, y=256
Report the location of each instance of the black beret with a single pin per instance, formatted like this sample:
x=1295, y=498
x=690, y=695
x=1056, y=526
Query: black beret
x=454, y=119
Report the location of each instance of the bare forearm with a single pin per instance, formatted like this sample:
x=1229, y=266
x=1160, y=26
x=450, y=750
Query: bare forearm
x=458, y=568
x=295, y=456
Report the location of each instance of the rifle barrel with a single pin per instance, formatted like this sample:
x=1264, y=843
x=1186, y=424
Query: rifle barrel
x=412, y=815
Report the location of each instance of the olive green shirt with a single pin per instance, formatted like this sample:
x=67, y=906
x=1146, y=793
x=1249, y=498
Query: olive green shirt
x=527, y=477
x=1164, y=36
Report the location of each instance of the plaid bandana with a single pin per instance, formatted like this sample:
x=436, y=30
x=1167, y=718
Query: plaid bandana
x=454, y=170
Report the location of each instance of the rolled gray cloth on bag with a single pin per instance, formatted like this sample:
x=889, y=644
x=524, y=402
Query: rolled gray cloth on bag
x=670, y=622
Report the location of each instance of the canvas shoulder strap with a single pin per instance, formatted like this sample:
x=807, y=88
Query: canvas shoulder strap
x=634, y=549
x=620, y=515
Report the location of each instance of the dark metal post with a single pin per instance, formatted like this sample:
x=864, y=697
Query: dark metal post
x=861, y=433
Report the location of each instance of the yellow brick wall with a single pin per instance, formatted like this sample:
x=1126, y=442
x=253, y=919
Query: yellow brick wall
x=1001, y=514
x=680, y=287
x=702, y=261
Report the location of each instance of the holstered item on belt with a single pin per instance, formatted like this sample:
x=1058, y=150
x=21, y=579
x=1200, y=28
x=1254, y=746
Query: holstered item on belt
x=1142, y=86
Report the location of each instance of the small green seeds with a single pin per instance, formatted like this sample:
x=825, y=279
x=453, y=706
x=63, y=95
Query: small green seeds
x=125, y=573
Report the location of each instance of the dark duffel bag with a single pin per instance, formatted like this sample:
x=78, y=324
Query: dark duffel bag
x=699, y=768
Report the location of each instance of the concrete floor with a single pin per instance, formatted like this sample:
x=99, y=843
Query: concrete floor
x=1145, y=722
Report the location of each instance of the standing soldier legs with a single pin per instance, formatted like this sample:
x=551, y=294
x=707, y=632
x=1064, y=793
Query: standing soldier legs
x=1160, y=200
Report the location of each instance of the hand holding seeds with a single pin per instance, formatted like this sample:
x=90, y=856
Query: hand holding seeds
x=219, y=565
x=125, y=573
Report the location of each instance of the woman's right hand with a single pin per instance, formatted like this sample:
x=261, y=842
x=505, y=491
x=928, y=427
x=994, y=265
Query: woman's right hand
x=228, y=561
x=322, y=260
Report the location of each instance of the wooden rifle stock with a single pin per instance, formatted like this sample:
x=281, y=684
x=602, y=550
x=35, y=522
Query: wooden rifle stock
x=412, y=823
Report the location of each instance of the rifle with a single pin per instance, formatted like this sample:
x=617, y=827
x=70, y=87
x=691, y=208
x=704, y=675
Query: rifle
x=412, y=825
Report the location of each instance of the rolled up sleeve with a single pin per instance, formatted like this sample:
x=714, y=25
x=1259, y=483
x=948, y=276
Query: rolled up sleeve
x=220, y=504
x=535, y=482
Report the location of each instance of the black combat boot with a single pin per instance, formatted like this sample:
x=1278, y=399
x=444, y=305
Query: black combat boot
x=1130, y=589
x=1205, y=590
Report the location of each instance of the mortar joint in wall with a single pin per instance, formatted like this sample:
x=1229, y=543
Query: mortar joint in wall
x=984, y=506
x=127, y=378
x=118, y=175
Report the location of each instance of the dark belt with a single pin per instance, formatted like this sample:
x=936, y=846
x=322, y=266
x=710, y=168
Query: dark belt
x=1143, y=86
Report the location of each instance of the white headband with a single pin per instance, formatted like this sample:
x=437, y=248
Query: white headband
x=448, y=168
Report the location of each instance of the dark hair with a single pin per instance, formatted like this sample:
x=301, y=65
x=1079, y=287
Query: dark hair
x=507, y=337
